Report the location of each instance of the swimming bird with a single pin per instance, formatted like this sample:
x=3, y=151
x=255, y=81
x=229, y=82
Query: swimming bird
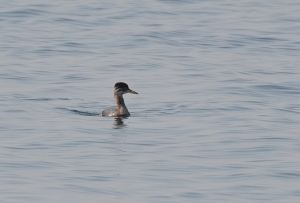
x=121, y=110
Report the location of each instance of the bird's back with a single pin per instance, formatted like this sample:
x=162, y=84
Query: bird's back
x=110, y=112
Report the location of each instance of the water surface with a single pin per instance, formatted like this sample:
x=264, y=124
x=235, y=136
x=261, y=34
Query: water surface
x=216, y=118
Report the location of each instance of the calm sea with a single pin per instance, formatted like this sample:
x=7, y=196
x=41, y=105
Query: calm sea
x=217, y=117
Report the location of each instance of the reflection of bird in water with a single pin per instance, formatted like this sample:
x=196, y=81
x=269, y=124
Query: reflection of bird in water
x=121, y=110
x=119, y=123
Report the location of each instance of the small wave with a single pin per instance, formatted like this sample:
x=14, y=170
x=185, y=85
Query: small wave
x=47, y=99
x=83, y=113
x=278, y=88
x=24, y=13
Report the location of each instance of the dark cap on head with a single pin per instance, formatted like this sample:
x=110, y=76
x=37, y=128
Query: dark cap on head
x=121, y=85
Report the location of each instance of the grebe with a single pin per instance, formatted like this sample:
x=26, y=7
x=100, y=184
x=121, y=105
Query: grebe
x=121, y=110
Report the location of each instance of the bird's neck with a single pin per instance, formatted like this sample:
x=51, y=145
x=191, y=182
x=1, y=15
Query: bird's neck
x=122, y=109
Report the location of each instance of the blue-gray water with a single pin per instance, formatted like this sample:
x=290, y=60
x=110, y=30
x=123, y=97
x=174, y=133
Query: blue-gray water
x=217, y=117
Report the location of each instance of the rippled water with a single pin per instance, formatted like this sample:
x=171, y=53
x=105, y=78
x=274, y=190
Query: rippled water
x=216, y=119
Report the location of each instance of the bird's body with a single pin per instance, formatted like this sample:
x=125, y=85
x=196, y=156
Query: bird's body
x=121, y=110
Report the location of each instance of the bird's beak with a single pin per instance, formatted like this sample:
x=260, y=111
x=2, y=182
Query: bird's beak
x=131, y=91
